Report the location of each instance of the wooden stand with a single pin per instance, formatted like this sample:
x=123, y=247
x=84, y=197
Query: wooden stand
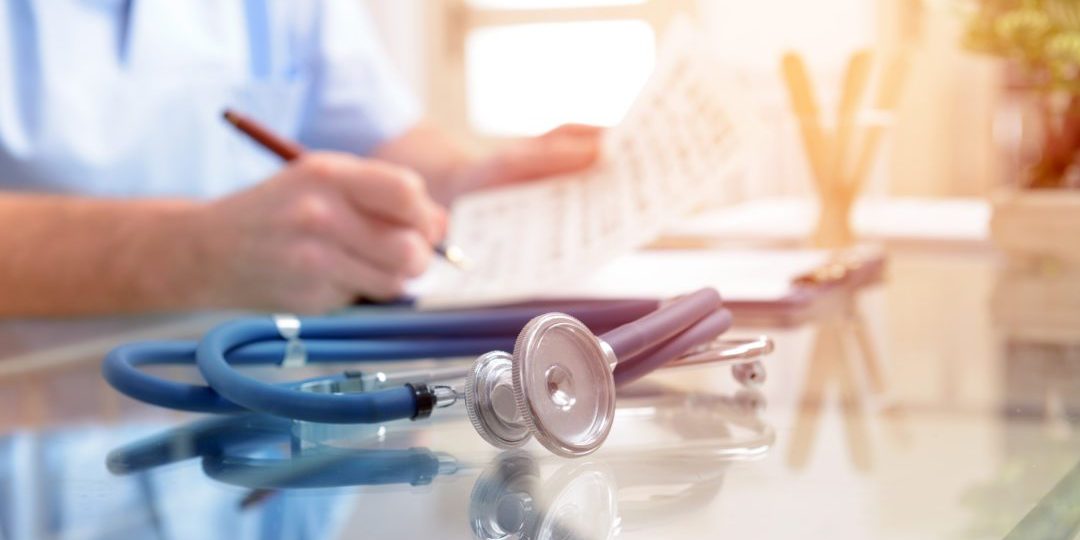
x=833, y=229
x=837, y=179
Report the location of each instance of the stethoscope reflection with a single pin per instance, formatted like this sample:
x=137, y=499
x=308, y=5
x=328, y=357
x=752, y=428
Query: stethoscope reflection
x=598, y=499
x=511, y=500
x=630, y=490
x=516, y=495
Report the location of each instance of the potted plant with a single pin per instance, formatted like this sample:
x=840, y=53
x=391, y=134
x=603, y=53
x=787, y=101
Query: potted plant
x=1041, y=41
x=1037, y=218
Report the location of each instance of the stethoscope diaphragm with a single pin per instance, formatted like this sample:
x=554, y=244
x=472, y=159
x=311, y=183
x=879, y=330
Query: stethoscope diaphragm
x=569, y=406
x=556, y=386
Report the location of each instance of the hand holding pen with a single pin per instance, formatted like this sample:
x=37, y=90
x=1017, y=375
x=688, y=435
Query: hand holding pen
x=326, y=228
x=289, y=151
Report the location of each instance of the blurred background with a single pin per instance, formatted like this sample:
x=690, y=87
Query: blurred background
x=498, y=68
x=959, y=369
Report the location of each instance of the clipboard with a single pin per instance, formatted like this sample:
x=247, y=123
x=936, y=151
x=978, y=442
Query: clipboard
x=811, y=293
x=776, y=288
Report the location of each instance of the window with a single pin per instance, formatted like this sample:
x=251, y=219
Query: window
x=527, y=79
x=516, y=67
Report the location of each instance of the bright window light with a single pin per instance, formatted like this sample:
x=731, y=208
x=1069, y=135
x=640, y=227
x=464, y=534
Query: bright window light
x=526, y=79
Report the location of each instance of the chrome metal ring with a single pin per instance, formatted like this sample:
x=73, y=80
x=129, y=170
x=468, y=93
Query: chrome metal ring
x=489, y=401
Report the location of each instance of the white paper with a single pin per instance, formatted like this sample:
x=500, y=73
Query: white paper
x=679, y=146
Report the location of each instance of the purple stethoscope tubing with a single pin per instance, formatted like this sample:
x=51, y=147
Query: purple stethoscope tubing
x=634, y=337
x=653, y=358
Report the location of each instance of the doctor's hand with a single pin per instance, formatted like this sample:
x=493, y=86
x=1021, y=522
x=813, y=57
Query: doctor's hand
x=327, y=228
x=565, y=149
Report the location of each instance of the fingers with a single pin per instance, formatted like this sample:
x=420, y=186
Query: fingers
x=392, y=193
x=568, y=153
x=391, y=248
x=324, y=229
x=395, y=249
x=575, y=130
x=353, y=277
x=565, y=149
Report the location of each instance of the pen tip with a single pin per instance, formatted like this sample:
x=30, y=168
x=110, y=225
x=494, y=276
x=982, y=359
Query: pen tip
x=229, y=116
x=455, y=256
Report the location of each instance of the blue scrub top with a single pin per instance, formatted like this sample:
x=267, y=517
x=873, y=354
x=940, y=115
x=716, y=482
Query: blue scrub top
x=123, y=98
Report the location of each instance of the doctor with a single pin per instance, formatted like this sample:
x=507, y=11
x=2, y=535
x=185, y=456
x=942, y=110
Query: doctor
x=122, y=190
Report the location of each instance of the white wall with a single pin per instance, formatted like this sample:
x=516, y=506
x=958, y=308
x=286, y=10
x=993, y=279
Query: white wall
x=401, y=25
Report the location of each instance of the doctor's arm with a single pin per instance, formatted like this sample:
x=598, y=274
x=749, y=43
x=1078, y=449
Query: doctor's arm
x=452, y=168
x=324, y=230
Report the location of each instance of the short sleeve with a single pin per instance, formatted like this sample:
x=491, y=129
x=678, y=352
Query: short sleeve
x=357, y=99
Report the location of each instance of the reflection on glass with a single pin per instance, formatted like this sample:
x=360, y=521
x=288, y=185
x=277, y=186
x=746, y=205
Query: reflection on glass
x=595, y=498
x=251, y=476
x=511, y=500
x=514, y=496
x=845, y=360
x=1039, y=378
x=54, y=485
x=1057, y=515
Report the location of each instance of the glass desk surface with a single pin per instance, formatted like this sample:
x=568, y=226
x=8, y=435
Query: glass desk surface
x=928, y=406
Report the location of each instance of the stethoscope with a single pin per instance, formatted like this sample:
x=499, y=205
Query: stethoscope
x=558, y=384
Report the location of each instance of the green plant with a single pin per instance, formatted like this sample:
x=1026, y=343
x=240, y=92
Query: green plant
x=1043, y=35
x=1043, y=38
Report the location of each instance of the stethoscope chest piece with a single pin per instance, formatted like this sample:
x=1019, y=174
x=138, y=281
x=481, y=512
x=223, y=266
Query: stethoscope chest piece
x=563, y=386
x=490, y=404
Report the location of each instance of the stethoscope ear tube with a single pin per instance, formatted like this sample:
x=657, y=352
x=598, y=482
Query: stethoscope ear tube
x=708, y=328
x=632, y=338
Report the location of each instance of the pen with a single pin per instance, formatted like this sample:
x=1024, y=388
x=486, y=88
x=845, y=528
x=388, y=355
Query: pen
x=290, y=150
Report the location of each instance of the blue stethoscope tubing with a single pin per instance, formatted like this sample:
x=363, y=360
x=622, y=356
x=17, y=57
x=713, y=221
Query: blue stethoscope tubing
x=121, y=365
x=349, y=338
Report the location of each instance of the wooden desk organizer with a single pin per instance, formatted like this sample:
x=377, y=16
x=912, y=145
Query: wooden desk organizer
x=837, y=179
